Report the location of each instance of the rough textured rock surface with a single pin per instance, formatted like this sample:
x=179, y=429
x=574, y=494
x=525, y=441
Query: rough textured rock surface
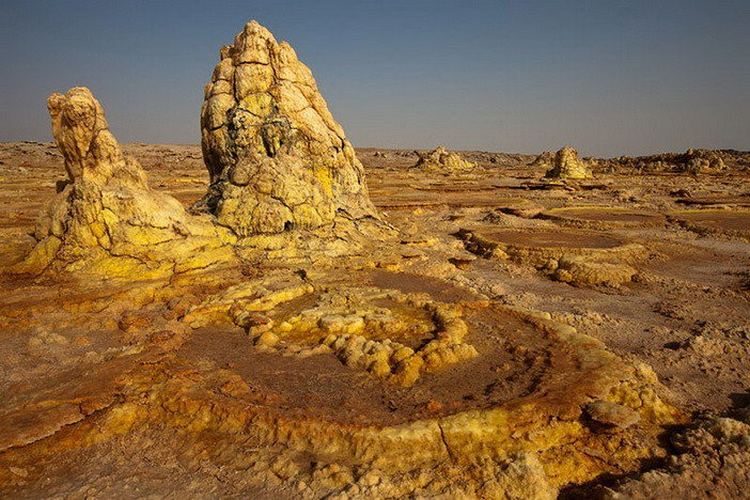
x=284, y=374
x=711, y=462
x=277, y=159
x=104, y=217
x=344, y=322
x=203, y=383
x=189, y=402
x=442, y=160
x=568, y=165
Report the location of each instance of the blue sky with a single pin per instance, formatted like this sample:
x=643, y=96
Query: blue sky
x=609, y=77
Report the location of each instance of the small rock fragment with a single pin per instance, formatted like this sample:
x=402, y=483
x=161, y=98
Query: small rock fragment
x=612, y=414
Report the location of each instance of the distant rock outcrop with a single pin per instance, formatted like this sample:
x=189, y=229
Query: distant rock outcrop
x=545, y=160
x=702, y=160
x=568, y=166
x=442, y=160
x=277, y=158
x=105, y=218
x=692, y=161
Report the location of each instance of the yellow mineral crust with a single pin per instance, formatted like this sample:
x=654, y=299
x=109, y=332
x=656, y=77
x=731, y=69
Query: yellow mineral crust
x=391, y=342
x=389, y=334
x=277, y=158
x=237, y=344
x=505, y=400
x=716, y=222
x=106, y=220
x=531, y=444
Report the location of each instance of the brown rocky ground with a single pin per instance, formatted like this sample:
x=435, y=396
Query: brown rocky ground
x=172, y=387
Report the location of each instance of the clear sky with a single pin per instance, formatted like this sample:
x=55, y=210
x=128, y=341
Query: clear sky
x=609, y=77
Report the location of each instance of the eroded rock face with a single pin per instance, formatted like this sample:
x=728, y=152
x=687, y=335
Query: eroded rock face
x=104, y=217
x=440, y=159
x=277, y=158
x=568, y=165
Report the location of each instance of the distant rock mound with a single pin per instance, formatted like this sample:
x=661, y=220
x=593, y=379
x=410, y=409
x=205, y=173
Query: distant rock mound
x=705, y=160
x=277, y=159
x=442, y=160
x=545, y=159
x=104, y=217
x=697, y=161
x=568, y=165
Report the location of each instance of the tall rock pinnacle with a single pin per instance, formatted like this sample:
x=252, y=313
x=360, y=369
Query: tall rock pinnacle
x=277, y=158
x=568, y=165
x=106, y=219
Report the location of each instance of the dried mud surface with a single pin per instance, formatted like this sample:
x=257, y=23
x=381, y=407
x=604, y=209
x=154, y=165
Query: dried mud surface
x=586, y=339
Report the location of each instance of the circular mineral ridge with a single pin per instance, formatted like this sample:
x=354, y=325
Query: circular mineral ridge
x=576, y=256
x=741, y=200
x=535, y=246
x=601, y=216
x=729, y=222
x=551, y=238
x=524, y=389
